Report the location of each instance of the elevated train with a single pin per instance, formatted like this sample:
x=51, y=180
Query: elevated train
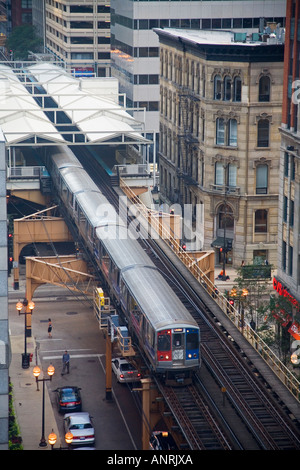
x=156, y=319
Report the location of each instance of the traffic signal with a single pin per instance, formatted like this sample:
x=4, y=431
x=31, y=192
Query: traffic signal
x=229, y=245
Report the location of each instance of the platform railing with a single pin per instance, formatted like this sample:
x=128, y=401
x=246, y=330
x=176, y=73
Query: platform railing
x=277, y=366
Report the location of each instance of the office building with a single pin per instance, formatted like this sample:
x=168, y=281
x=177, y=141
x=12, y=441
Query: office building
x=220, y=110
x=78, y=34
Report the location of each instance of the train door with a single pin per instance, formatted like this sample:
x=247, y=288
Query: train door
x=178, y=346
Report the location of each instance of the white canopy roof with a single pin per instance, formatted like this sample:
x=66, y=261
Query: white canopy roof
x=94, y=110
x=20, y=115
x=97, y=115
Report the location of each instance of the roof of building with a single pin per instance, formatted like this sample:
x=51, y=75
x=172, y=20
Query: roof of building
x=228, y=44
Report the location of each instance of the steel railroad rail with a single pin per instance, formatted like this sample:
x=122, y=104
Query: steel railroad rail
x=270, y=426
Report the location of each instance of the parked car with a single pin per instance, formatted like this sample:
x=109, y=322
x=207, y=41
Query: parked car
x=124, y=370
x=162, y=440
x=68, y=399
x=80, y=425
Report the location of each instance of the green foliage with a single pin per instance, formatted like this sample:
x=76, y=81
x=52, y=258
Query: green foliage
x=15, y=440
x=22, y=40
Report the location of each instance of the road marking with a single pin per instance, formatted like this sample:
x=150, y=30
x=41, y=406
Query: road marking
x=63, y=350
x=119, y=408
x=74, y=356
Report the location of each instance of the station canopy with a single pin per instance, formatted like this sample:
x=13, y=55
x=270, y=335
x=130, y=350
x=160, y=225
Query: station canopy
x=91, y=104
x=20, y=115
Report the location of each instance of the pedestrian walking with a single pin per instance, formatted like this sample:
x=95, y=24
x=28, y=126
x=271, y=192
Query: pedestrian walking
x=66, y=363
x=49, y=328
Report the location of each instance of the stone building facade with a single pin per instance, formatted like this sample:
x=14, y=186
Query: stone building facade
x=220, y=113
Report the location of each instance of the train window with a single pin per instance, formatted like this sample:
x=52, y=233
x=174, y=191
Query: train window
x=177, y=340
x=192, y=340
x=164, y=342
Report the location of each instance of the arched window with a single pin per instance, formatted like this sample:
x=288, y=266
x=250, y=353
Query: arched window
x=237, y=89
x=261, y=221
x=263, y=133
x=217, y=87
x=227, y=88
x=264, y=88
x=262, y=179
x=225, y=217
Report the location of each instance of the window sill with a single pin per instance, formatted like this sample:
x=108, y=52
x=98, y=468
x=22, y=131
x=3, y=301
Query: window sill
x=229, y=147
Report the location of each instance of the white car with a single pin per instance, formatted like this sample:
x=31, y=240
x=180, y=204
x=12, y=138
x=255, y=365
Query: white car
x=80, y=425
x=124, y=370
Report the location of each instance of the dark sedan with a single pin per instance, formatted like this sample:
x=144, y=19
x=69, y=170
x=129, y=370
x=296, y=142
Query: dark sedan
x=68, y=399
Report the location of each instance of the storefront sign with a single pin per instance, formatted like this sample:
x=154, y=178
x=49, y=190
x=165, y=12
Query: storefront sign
x=294, y=329
x=284, y=292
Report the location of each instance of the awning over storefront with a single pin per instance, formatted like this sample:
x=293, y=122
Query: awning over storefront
x=219, y=242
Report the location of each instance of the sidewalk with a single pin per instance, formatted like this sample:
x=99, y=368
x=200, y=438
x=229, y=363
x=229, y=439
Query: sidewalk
x=229, y=283
x=26, y=398
x=28, y=401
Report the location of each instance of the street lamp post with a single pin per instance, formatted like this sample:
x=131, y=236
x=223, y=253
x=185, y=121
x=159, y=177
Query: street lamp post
x=29, y=306
x=36, y=373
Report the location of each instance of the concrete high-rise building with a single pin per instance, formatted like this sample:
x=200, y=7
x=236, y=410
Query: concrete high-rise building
x=135, y=47
x=78, y=34
x=287, y=281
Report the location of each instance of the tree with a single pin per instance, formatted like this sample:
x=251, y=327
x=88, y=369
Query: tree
x=272, y=313
x=251, y=278
x=22, y=40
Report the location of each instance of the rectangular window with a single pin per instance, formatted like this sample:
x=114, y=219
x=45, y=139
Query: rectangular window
x=219, y=174
x=261, y=219
x=285, y=204
x=262, y=179
x=286, y=164
x=232, y=175
x=220, y=135
x=292, y=206
x=232, y=133
x=284, y=256
x=290, y=261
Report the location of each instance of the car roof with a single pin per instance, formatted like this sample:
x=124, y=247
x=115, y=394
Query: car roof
x=68, y=387
x=122, y=360
x=82, y=417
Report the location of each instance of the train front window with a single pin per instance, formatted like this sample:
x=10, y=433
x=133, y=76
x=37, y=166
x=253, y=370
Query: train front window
x=192, y=340
x=164, y=342
x=177, y=340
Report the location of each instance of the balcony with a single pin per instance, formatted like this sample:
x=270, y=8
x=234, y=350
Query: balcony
x=228, y=190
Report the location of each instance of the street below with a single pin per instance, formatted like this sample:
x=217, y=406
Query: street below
x=117, y=422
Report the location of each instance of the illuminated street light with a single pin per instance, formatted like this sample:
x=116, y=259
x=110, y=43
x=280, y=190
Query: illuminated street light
x=36, y=372
x=29, y=306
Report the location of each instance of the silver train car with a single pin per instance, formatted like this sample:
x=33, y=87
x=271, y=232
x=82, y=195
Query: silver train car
x=156, y=319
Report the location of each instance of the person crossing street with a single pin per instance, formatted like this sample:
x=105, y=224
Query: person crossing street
x=66, y=363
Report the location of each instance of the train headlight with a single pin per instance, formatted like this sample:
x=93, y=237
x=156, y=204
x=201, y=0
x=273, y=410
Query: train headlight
x=167, y=357
x=190, y=356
